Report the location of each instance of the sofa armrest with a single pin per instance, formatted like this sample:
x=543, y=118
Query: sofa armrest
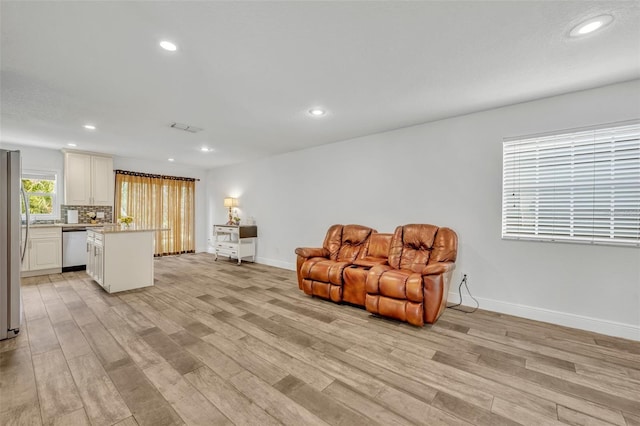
x=438, y=268
x=436, y=289
x=308, y=252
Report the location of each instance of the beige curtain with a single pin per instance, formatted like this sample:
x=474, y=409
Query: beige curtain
x=159, y=202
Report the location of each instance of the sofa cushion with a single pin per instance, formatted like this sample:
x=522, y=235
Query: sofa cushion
x=402, y=310
x=445, y=246
x=369, y=261
x=323, y=270
x=354, y=239
x=411, y=246
x=401, y=284
x=333, y=241
x=379, y=245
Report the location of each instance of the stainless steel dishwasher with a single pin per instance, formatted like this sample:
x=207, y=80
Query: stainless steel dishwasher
x=74, y=249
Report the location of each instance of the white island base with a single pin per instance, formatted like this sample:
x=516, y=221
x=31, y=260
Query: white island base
x=120, y=260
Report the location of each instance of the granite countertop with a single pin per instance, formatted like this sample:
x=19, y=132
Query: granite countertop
x=116, y=229
x=86, y=225
x=68, y=225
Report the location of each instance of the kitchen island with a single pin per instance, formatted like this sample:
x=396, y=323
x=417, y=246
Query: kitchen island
x=121, y=259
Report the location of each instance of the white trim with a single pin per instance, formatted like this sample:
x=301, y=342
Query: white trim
x=265, y=261
x=572, y=130
x=611, y=328
x=276, y=263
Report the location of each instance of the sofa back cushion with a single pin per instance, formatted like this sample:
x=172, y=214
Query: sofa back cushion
x=411, y=246
x=333, y=241
x=354, y=240
x=379, y=245
x=445, y=246
x=346, y=242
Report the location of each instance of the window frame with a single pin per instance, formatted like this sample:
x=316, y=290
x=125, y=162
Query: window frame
x=55, y=202
x=528, y=174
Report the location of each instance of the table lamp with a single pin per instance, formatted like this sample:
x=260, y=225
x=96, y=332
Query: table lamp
x=230, y=202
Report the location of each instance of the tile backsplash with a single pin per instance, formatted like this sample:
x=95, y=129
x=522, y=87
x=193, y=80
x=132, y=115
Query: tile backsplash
x=83, y=210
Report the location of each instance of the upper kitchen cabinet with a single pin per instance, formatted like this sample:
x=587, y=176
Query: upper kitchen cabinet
x=88, y=179
x=102, y=180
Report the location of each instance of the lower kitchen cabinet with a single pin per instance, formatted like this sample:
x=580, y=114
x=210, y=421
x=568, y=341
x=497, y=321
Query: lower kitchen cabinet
x=120, y=260
x=44, y=251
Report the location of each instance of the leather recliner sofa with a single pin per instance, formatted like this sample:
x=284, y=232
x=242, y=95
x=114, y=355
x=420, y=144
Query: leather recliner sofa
x=383, y=272
x=320, y=270
x=413, y=287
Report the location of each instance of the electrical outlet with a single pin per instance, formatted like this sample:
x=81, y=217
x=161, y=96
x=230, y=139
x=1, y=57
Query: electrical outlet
x=100, y=215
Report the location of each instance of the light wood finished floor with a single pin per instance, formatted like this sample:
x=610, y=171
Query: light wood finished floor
x=216, y=343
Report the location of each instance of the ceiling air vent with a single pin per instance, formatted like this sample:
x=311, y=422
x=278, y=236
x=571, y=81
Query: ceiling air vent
x=185, y=127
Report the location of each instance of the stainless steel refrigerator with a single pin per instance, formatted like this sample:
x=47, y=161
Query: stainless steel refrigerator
x=12, y=249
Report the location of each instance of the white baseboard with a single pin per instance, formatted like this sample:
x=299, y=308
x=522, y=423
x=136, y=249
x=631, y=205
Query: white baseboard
x=611, y=328
x=276, y=263
x=265, y=261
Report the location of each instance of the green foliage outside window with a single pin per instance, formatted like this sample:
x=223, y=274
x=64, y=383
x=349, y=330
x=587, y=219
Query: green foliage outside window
x=40, y=195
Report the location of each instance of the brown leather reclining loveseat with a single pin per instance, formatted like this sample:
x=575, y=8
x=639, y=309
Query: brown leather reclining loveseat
x=404, y=275
x=320, y=270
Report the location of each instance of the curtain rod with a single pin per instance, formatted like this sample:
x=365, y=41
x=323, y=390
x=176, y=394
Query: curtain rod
x=129, y=173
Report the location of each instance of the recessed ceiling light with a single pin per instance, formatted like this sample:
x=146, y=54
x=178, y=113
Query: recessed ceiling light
x=71, y=144
x=167, y=45
x=205, y=149
x=171, y=159
x=591, y=25
x=317, y=112
x=89, y=127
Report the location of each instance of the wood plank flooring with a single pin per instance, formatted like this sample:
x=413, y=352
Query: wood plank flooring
x=215, y=343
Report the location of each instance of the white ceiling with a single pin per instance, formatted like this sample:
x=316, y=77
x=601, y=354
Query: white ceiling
x=247, y=72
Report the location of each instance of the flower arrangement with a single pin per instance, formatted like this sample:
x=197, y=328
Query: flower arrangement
x=126, y=220
x=92, y=216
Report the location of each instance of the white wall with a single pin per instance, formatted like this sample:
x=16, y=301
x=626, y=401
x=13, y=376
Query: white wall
x=448, y=173
x=35, y=158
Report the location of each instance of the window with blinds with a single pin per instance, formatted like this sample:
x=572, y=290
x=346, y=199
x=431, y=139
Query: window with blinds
x=582, y=186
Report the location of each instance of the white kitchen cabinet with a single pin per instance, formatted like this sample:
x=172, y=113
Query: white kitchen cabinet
x=235, y=241
x=88, y=179
x=95, y=263
x=44, y=252
x=91, y=262
x=120, y=260
x=102, y=180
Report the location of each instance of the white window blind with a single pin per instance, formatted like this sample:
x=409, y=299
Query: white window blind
x=582, y=186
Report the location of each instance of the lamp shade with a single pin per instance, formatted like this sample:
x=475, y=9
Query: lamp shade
x=230, y=202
